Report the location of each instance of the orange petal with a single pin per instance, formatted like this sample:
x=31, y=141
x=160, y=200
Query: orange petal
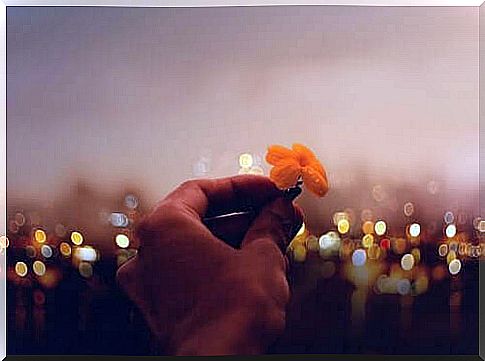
x=305, y=155
x=285, y=175
x=315, y=181
x=279, y=155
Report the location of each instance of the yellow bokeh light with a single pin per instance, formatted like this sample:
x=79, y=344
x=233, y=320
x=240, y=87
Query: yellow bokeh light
x=343, y=226
x=245, y=160
x=407, y=262
x=77, y=238
x=380, y=228
x=367, y=240
x=451, y=256
x=374, y=251
x=368, y=227
x=122, y=240
x=21, y=269
x=39, y=268
x=443, y=249
x=299, y=253
x=416, y=254
x=65, y=249
x=40, y=236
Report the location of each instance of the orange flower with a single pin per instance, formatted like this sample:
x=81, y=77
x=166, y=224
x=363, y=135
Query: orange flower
x=291, y=164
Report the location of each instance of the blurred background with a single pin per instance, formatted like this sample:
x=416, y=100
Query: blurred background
x=108, y=109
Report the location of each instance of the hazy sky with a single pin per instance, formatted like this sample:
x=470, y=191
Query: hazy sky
x=117, y=94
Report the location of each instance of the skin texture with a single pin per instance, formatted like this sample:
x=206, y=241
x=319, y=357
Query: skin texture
x=199, y=295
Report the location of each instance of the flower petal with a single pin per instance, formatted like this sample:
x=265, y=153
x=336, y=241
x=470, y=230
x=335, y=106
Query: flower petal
x=315, y=181
x=305, y=155
x=285, y=175
x=279, y=155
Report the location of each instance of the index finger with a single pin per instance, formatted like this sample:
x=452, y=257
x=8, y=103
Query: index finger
x=211, y=197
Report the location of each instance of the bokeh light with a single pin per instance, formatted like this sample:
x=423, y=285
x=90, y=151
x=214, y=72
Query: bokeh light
x=256, y=170
x=403, y=286
x=21, y=269
x=368, y=227
x=245, y=160
x=380, y=228
x=77, y=238
x=39, y=268
x=4, y=242
x=119, y=220
x=407, y=262
x=408, y=209
x=40, y=236
x=359, y=257
x=455, y=266
x=65, y=249
x=85, y=269
x=399, y=245
x=46, y=251
x=449, y=217
x=86, y=253
x=131, y=201
x=368, y=240
x=374, y=252
x=299, y=253
x=122, y=240
x=443, y=249
x=416, y=254
x=450, y=230
x=451, y=256
x=19, y=219
x=343, y=226
x=414, y=230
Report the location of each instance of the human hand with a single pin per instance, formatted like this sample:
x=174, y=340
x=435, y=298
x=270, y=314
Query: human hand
x=198, y=294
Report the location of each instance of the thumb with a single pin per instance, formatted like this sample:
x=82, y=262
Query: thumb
x=276, y=223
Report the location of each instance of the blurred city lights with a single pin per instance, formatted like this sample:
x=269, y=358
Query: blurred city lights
x=343, y=226
x=414, y=230
x=131, y=201
x=455, y=266
x=407, y=262
x=374, y=252
x=380, y=228
x=450, y=230
x=481, y=226
x=119, y=220
x=451, y=256
x=359, y=257
x=40, y=236
x=19, y=219
x=122, y=240
x=245, y=160
x=338, y=216
x=65, y=249
x=85, y=269
x=368, y=227
x=368, y=240
x=408, y=209
x=403, y=286
x=299, y=253
x=385, y=243
x=86, y=253
x=449, y=217
x=46, y=251
x=39, y=268
x=77, y=238
x=312, y=243
x=443, y=249
x=21, y=269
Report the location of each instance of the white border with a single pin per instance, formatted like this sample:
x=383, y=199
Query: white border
x=142, y=3
x=210, y=3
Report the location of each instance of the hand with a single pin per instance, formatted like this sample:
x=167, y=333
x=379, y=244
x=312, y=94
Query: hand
x=198, y=294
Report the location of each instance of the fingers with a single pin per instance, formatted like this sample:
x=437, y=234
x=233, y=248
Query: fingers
x=275, y=225
x=210, y=197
